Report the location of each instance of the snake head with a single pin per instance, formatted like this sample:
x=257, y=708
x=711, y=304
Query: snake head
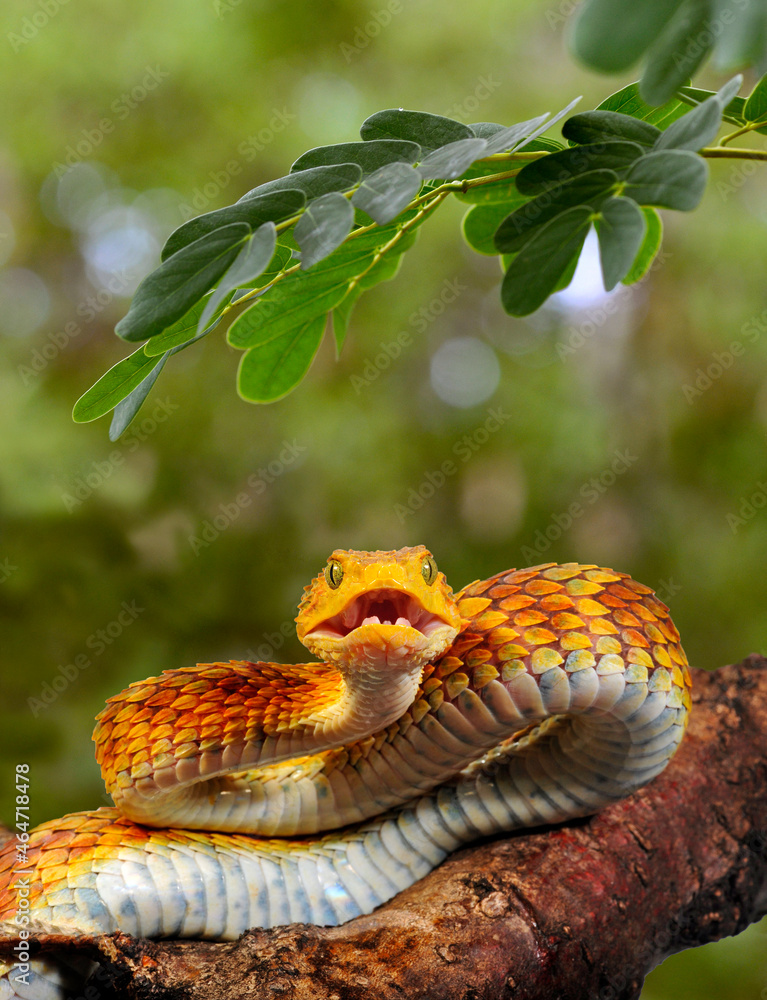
x=379, y=607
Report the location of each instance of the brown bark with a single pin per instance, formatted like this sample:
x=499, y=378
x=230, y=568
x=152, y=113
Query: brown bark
x=581, y=910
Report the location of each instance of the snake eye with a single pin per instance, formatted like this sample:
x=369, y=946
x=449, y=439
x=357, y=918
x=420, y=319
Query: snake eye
x=429, y=570
x=334, y=574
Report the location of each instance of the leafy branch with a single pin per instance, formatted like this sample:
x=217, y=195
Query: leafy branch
x=301, y=249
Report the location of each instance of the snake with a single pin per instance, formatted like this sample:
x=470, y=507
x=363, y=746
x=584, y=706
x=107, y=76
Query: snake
x=252, y=795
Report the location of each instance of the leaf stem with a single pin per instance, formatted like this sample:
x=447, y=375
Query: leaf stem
x=721, y=152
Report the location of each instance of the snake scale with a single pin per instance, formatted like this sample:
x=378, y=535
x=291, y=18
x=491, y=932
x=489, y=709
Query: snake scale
x=258, y=794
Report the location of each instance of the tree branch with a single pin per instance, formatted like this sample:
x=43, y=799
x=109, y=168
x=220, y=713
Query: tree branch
x=584, y=909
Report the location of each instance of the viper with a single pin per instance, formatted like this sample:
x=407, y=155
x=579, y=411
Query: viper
x=258, y=794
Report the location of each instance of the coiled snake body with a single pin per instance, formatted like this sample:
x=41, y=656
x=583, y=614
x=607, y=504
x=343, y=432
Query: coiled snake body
x=532, y=697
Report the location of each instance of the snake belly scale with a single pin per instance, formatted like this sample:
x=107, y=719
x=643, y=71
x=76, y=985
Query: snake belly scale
x=252, y=794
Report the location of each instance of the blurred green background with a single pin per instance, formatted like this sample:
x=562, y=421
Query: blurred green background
x=119, y=120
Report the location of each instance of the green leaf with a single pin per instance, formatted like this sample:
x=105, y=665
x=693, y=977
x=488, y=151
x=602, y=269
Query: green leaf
x=649, y=248
x=251, y=261
x=621, y=230
x=584, y=190
x=695, y=130
x=302, y=295
x=567, y=276
x=429, y=131
x=323, y=227
x=755, y=108
x=733, y=113
x=611, y=35
x=182, y=332
x=481, y=223
x=367, y=155
x=673, y=178
x=501, y=138
x=387, y=192
x=525, y=143
x=538, y=175
x=450, y=161
x=603, y=126
x=313, y=182
x=127, y=408
x=678, y=52
x=340, y=317
x=114, y=385
x=536, y=270
x=166, y=294
x=275, y=366
x=254, y=212
x=628, y=102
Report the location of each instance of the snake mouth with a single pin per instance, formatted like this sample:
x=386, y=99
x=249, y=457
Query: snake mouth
x=380, y=607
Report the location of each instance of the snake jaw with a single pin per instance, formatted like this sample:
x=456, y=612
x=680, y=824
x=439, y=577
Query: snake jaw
x=382, y=623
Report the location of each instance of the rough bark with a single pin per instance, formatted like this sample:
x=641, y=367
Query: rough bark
x=586, y=909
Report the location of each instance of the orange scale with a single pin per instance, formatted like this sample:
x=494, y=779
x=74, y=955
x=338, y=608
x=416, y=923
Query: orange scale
x=655, y=633
x=660, y=654
x=161, y=698
x=471, y=606
x=602, y=626
x=564, y=572
x=530, y=617
x=517, y=603
x=500, y=635
x=656, y=607
x=582, y=588
x=612, y=602
x=567, y=621
x=633, y=638
x=617, y=590
x=626, y=618
x=638, y=588
x=600, y=575
x=479, y=587
x=523, y=575
x=539, y=636
x=541, y=587
x=588, y=607
x=505, y=590
x=52, y=857
x=489, y=619
x=556, y=602
x=478, y=657
x=669, y=630
x=642, y=612
x=575, y=640
x=677, y=654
